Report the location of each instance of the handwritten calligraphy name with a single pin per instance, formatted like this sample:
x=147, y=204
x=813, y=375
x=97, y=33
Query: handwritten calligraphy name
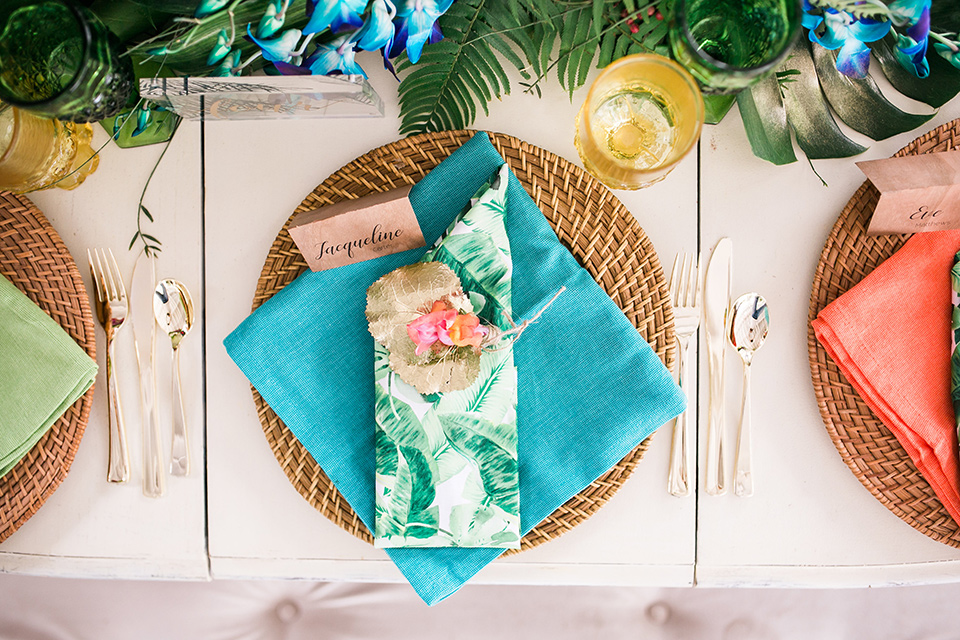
x=923, y=213
x=376, y=237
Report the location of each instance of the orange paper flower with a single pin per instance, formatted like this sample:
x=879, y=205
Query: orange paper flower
x=466, y=331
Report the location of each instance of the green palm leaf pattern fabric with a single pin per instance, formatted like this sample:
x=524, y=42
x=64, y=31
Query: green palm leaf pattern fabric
x=447, y=463
x=955, y=338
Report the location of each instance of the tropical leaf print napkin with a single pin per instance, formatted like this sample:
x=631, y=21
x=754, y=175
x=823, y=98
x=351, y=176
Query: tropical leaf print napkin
x=446, y=463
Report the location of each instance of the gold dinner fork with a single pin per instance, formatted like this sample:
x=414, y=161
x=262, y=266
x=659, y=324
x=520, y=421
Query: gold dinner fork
x=111, y=308
x=685, y=296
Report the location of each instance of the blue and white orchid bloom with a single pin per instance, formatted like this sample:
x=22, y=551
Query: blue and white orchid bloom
x=912, y=44
x=378, y=31
x=206, y=7
x=416, y=21
x=280, y=49
x=272, y=20
x=144, y=114
x=220, y=49
x=336, y=56
x=950, y=53
x=840, y=30
x=229, y=66
x=333, y=14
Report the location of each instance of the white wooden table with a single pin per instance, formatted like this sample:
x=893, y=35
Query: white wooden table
x=219, y=198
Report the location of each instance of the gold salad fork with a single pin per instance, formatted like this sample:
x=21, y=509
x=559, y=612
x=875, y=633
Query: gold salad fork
x=112, y=313
x=685, y=293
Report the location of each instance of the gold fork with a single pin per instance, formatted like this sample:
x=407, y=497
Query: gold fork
x=685, y=293
x=112, y=313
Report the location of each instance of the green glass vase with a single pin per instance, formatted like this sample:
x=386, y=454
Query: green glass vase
x=728, y=45
x=58, y=60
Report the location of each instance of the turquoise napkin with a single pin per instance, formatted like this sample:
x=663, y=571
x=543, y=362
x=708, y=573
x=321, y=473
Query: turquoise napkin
x=42, y=372
x=589, y=388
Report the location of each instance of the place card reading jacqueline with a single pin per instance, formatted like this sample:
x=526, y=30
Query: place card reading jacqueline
x=917, y=193
x=355, y=230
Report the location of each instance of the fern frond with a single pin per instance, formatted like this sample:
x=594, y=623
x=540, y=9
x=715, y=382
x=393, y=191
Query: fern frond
x=463, y=73
x=464, y=70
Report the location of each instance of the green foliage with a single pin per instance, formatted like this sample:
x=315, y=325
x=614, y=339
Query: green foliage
x=945, y=14
x=488, y=445
x=859, y=103
x=465, y=71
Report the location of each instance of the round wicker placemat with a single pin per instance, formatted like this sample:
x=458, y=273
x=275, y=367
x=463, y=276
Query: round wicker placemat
x=587, y=218
x=35, y=260
x=865, y=444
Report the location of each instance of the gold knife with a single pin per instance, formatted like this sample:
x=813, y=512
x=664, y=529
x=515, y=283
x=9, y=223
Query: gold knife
x=716, y=299
x=145, y=344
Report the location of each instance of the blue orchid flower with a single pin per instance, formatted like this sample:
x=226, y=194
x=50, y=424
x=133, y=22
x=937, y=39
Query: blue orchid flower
x=950, y=54
x=336, y=56
x=416, y=22
x=278, y=49
x=911, y=49
x=396, y=46
x=336, y=15
x=206, y=7
x=840, y=30
x=378, y=31
x=272, y=19
x=221, y=49
x=143, y=120
x=228, y=66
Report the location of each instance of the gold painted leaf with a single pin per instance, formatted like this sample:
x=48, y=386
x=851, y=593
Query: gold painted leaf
x=402, y=296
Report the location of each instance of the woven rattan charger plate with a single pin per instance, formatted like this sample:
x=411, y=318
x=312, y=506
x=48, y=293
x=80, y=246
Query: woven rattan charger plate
x=587, y=218
x=865, y=444
x=35, y=260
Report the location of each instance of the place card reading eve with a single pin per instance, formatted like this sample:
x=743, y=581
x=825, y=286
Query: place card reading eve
x=356, y=230
x=917, y=193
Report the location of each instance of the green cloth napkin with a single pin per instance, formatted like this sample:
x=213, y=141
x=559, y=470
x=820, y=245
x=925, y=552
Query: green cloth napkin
x=589, y=388
x=447, y=463
x=42, y=372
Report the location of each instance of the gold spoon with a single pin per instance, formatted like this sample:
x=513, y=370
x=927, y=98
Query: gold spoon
x=173, y=310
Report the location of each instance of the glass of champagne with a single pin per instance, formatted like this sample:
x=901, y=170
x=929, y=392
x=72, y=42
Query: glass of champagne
x=641, y=116
x=729, y=44
x=38, y=153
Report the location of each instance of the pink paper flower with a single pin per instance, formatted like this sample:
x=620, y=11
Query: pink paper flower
x=427, y=329
x=444, y=325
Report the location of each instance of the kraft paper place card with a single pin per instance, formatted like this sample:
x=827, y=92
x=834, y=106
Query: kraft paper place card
x=355, y=230
x=917, y=193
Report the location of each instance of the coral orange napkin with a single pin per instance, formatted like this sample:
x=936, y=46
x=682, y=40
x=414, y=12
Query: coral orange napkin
x=890, y=336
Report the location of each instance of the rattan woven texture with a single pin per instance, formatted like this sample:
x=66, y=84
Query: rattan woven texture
x=33, y=258
x=865, y=444
x=587, y=218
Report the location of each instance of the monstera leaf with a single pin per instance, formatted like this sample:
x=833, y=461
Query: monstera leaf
x=807, y=90
x=801, y=95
